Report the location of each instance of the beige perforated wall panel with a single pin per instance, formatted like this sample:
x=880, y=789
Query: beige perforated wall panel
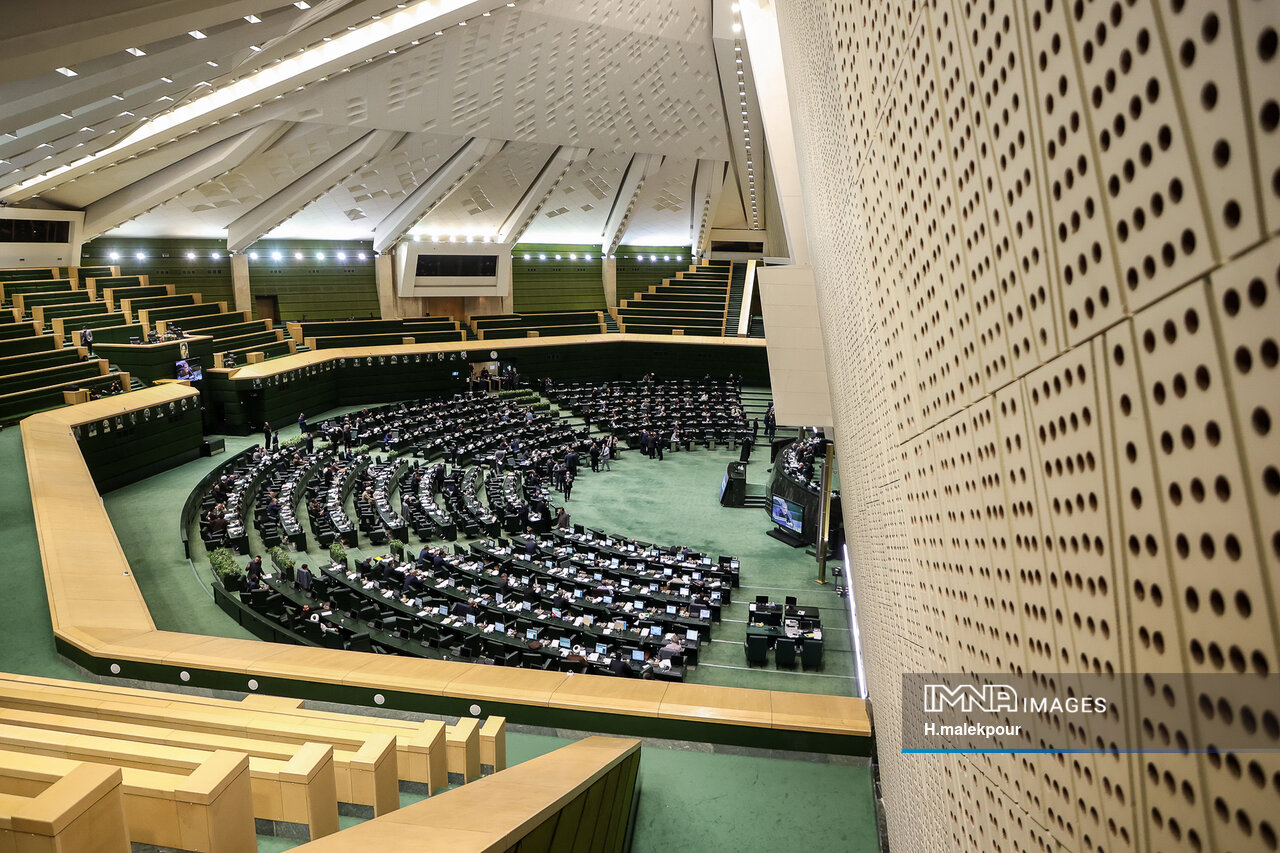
x=1044, y=235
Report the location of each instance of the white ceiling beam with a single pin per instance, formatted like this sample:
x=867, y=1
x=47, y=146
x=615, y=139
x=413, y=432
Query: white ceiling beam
x=746, y=142
x=69, y=94
x=48, y=35
x=375, y=41
x=256, y=223
x=429, y=194
x=641, y=167
x=708, y=183
x=526, y=209
x=172, y=181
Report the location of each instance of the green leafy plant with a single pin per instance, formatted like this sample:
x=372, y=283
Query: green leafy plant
x=337, y=553
x=281, y=557
x=226, y=568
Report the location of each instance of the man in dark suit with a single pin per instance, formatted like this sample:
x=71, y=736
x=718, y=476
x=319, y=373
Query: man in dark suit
x=305, y=578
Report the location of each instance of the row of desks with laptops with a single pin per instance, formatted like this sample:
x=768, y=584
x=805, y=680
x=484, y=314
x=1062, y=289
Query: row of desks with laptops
x=787, y=628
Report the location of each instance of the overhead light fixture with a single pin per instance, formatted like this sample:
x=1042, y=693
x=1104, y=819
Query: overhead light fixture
x=666, y=257
x=297, y=256
x=679, y=257
x=542, y=257
x=211, y=63
x=573, y=256
x=639, y=257
x=115, y=256
x=342, y=256
x=362, y=256
x=302, y=4
x=253, y=256
x=319, y=256
x=191, y=256
x=140, y=255
x=526, y=257
x=196, y=34
x=275, y=256
x=66, y=72
x=416, y=238
x=215, y=255
x=253, y=19
x=586, y=257
x=653, y=257
x=135, y=51
x=255, y=48
x=737, y=28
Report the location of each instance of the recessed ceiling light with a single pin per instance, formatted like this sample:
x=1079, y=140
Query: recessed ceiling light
x=196, y=34
x=303, y=4
x=542, y=257
x=66, y=72
x=167, y=79
x=135, y=51
x=140, y=256
x=362, y=256
x=253, y=19
x=253, y=256
x=573, y=256
x=342, y=256
x=191, y=256
x=526, y=257
x=115, y=256
x=319, y=256
x=211, y=63
x=297, y=256
x=275, y=256
x=255, y=48
x=737, y=28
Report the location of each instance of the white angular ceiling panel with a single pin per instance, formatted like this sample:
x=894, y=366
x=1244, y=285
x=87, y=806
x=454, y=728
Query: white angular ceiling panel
x=205, y=210
x=480, y=205
x=633, y=77
x=663, y=208
x=579, y=205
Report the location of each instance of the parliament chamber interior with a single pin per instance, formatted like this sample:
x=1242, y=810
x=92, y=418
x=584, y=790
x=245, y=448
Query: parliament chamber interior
x=646, y=426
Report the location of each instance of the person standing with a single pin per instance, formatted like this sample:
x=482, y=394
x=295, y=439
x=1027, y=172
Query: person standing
x=266, y=435
x=302, y=422
x=568, y=484
x=604, y=456
x=86, y=338
x=595, y=456
x=770, y=423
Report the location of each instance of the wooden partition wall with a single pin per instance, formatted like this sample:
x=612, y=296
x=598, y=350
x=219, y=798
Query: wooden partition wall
x=101, y=621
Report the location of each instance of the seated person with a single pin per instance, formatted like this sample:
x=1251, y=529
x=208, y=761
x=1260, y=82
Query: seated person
x=562, y=520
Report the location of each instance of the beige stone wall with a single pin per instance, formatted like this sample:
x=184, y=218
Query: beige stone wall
x=1044, y=241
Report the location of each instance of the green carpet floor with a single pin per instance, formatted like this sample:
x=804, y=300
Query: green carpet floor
x=691, y=799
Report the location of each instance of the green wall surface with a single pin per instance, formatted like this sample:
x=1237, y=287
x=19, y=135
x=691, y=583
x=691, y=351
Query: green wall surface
x=636, y=276
x=166, y=262
x=307, y=289
x=128, y=447
x=551, y=285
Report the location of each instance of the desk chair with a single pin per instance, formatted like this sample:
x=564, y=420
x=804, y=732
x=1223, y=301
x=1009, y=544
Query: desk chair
x=810, y=653
x=785, y=652
x=757, y=646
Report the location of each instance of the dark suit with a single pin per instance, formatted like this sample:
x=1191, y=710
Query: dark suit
x=305, y=577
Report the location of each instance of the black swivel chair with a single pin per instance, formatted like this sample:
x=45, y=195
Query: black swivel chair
x=757, y=647
x=785, y=652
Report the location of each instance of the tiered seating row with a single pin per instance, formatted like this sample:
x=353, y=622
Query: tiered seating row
x=497, y=326
x=696, y=302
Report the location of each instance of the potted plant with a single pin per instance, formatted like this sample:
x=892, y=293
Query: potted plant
x=337, y=553
x=282, y=558
x=227, y=569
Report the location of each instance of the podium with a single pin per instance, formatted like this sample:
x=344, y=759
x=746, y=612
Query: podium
x=733, y=491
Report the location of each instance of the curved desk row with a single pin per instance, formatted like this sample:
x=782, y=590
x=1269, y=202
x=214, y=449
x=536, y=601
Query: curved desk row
x=101, y=621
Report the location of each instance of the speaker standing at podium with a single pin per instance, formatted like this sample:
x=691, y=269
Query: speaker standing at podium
x=746, y=449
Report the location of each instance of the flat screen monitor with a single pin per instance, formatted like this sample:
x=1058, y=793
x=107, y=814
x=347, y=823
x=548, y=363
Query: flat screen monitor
x=564, y=642
x=733, y=564
x=598, y=576
x=724, y=485
x=526, y=606
x=626, y=583
x=706, y=561
x=715, y=596
x=637, y=655
x=531, y=633
x=443, y=610
x=704, y=614
x=655, y=630
x=787, y=514
x=549, y=564
x=697, y=576
x=500, y=627
x=613, y=562
x=639, y=605
x=608, y=599
x=671, y=610
x=602, y=649
x=668, y=571
x=691, y=634
x=556, y=612
x=577, y=593
x=471, y=619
